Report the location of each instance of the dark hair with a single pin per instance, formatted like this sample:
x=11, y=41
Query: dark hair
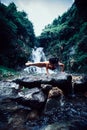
x=54, y=60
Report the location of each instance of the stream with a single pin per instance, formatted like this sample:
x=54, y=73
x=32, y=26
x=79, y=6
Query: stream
x=68, y=113
x=71, y=116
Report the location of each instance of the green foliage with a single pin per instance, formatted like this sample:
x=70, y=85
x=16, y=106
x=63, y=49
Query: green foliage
x=6, y=72
x=82, y=45
x=7, y=32
x=67, y=32
x=16, y=36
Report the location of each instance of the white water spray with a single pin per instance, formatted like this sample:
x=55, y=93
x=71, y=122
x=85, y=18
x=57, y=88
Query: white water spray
x=37, y=55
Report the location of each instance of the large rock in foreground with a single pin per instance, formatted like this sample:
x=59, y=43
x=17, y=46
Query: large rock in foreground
x=60, y=80
x=33, y=98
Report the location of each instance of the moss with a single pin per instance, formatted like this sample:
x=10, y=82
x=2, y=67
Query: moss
x=7, y=72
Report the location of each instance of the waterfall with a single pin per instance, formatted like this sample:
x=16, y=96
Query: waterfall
x=37, y=55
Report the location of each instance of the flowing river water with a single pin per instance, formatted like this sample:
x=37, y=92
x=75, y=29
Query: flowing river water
x=67, y=114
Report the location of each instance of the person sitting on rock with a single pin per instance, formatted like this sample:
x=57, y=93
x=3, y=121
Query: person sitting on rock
x=51, y=64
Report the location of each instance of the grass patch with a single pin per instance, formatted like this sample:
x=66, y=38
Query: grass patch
x=7, y=72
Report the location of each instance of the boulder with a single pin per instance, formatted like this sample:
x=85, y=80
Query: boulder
x=33, y=98
x=8, y=89
x=55, y=97
x=55, y=92
x=62, y=80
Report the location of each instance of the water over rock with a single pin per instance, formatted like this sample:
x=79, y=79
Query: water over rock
x=33, y=98
x=61, y=80
x=25, y=104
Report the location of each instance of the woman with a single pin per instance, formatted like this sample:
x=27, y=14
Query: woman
x=51, y=64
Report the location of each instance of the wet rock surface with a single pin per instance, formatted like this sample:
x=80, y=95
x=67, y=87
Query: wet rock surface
x=33, y=98
x=40, y=107
x=61, y=80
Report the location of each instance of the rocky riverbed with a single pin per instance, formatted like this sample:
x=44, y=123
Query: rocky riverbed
x=38, y=102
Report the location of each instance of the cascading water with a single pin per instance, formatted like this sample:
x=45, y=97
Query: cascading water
x=37, y=55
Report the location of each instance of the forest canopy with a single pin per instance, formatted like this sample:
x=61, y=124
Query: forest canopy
x=16, y=36
x=66, y=38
